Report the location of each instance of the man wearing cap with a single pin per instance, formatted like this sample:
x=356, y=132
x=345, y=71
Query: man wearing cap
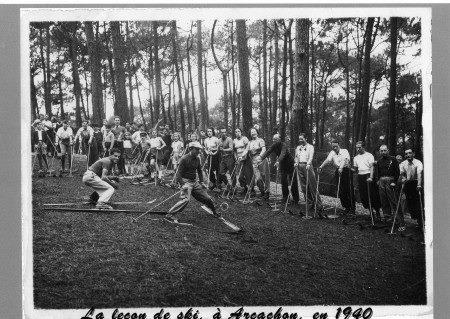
x=341, y=160
x=411, y=171
x=186, y=176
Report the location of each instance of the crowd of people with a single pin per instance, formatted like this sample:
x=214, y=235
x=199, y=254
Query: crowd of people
x=203, y=161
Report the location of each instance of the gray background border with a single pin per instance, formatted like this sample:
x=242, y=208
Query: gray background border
x=10, y=223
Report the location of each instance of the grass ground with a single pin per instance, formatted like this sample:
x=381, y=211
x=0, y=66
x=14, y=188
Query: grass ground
x=102, y=260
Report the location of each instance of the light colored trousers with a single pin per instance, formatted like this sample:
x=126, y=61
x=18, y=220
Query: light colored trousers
x=194, y=189
x=103, y=189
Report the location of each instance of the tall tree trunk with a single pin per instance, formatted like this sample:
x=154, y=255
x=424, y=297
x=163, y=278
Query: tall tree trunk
x=86, y=90
x=76, y=79
x=95, y=67
x=201, y=89
x=206, y=89
x=191, y=83
x=177, y=72
x=292, y=131
x=186, y=94
x=48, y=108
x=284, y=86
x=157, y=67
x=301, y=77
x=273, y=120
x=33, y=96
x=269, y=96
x=365, y=90
x=120, y=105
x=265, y=94
x=244, y=75
x=130, y=76
x=233, y=87
x=347, y=93
x=260, y=95
x=324, y=113
x=169, y=111
x=110, y=62
x=392, y=142
x=48, y=86
x=419, y=128
x=139, y=100
x=61, y=96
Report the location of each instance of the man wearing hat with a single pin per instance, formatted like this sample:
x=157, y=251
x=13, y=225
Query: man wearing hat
x=188, y=169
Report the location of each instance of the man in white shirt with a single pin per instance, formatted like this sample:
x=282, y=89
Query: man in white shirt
x=340, y=158
x=64, y=137
x=411, y=171
x=363, y=163
x=304, y=155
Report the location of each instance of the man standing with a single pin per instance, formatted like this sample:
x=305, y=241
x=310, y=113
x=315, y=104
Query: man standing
x=97, y=177
x=341, y=160
x=211, y=144
x=388, y=172
x=227, y=162
x=363, y=162
x=411, y=171
x=285, y=163
x=64, y=137
x=186, y=176
x=304, y=155
x=40, y=140
x=119, y=132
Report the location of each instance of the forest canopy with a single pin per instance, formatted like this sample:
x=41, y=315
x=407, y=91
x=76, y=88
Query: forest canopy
x=349, y=78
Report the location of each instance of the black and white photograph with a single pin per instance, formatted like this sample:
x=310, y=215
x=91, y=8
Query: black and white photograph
x=227, y=162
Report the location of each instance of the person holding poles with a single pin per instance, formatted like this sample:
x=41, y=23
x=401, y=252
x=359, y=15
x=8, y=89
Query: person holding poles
x=186, y=176
x=85, y=135
x=256, y=147
x=368, y=191
x=411, y=173
x=156, y=146
x=244, y=166
x=304, y=155
x=227, y=162
x=211, y=144
x=340, y=158
x=285, y=163
x=387, y=171
x=64, y=138
x=177, y=150
x=40, y=140
x=97, y=177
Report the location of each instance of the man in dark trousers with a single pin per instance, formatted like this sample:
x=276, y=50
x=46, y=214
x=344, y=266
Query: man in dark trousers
x=387, y=171
x=340, y=158
x=188, y=169
x=411, y=171
x=285, y=164
x=40, y=141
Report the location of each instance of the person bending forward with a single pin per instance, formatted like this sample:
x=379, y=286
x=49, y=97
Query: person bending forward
x=97, y=177
x=188, y=168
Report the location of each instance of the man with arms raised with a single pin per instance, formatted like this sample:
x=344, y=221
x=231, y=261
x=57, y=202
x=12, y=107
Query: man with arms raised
x=97, y=177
